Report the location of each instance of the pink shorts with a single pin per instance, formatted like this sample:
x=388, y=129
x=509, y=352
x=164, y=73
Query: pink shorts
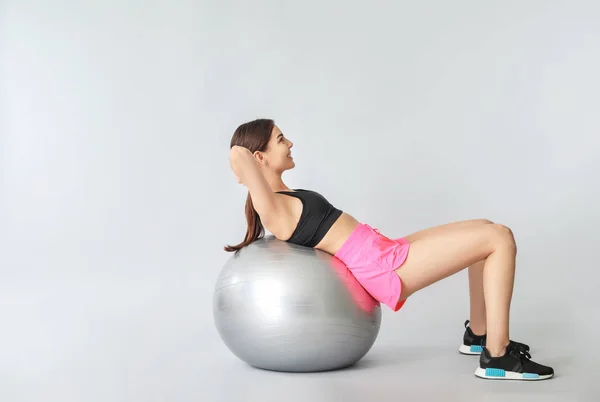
x=372, y=259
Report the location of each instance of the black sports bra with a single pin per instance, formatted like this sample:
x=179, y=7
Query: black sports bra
x=317, y=217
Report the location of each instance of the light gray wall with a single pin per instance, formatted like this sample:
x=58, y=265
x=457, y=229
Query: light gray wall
x=117, y=195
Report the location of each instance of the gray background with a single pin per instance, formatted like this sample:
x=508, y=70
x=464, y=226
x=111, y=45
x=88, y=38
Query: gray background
x=117, y=195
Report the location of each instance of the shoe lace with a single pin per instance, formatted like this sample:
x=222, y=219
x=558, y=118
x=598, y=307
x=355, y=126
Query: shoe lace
x=520, y=345
x=519, y=350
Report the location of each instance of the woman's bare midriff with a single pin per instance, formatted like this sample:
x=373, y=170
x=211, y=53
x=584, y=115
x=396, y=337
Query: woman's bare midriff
x=338, y=234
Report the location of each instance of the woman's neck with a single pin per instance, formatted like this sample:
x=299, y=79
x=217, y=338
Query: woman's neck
x=275, y=182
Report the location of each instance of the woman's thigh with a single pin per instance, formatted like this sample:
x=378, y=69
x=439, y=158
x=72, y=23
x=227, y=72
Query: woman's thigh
x=445, y=228
x=443, y=253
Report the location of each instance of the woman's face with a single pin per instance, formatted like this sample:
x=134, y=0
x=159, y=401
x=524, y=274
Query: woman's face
x=279, y=154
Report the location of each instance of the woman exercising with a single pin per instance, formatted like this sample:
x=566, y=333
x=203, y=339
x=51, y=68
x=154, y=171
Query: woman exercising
x=260, y=153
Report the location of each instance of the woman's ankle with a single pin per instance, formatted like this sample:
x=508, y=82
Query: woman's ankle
x=497, y=350
x=477, y=328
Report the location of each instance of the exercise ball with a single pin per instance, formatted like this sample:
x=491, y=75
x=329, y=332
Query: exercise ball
x=284, y=307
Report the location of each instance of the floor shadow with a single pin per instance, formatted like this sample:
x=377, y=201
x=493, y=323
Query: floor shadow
x=403, y=357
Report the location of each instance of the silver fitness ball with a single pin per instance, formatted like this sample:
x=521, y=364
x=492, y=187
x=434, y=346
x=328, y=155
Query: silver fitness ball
x=283, y=307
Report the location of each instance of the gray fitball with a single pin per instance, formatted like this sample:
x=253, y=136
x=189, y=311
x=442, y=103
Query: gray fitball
x=283, y=307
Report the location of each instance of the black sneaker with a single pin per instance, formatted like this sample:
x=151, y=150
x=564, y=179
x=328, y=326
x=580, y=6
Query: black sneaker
x=473, y=344
x=514, y=365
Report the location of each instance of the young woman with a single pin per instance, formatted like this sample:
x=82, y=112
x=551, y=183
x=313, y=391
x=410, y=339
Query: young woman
x=260, y=153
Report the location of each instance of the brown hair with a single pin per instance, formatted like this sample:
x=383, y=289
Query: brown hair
x=255, y=136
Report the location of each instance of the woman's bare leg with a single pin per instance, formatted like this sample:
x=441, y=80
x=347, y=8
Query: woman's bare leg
x=445, y=228
x=447, y=252
x=477, y=316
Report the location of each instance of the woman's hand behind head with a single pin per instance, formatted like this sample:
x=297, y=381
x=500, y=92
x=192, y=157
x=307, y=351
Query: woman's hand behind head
x=238, y=157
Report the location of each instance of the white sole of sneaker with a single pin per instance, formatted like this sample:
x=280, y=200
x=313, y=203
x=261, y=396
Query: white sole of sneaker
x=499, y=374
x=470, y=350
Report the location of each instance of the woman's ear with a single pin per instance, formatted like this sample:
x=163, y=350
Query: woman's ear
x=260, y=158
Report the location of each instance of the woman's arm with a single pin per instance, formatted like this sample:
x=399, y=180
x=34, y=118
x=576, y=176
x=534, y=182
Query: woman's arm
x=247, y=171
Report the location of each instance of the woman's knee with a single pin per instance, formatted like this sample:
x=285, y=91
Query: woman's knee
x=505, y=236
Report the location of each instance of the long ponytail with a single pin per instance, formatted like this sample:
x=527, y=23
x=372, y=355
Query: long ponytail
x=255, y=229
